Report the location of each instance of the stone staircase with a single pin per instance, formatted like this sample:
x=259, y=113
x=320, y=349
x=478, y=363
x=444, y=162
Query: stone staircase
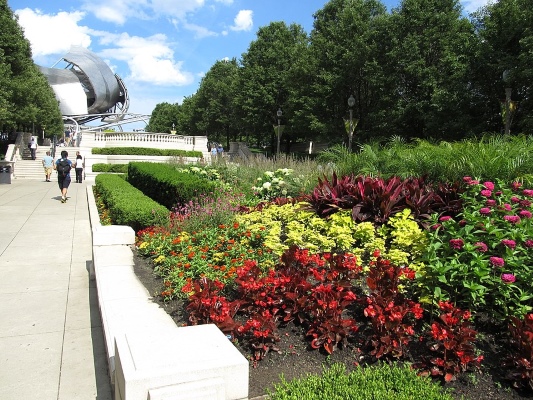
x=26, y=168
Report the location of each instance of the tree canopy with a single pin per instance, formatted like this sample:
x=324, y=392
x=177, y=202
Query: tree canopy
x=423, y=70
x=27, y=102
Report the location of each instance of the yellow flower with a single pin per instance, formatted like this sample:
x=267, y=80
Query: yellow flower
x=143, y=245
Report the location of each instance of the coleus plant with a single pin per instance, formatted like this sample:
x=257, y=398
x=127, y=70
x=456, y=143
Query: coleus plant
x=452, y=341
x=388, y=310
x=520, y=361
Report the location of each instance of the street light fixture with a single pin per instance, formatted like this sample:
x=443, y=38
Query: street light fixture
x=279, y=114
x=351, y=103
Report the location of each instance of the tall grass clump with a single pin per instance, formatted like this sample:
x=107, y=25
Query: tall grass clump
x=243, y=174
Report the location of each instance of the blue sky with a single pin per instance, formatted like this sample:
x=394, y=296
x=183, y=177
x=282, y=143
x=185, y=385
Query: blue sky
x=160, y=48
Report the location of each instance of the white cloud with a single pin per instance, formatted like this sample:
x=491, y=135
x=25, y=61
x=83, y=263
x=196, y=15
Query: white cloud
x=116, y=11
x=225, y=2
x=53, y=34
x=474, y=5
x=199, y=31
x=243, y=21
x=149, y=59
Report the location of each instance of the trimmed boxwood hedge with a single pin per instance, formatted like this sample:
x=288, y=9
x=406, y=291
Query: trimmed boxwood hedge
x=166, y=185
x=114, y=168
x=128, y=205
x=144, y=151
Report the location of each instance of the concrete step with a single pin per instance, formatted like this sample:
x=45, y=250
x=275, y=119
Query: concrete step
x=26, y=168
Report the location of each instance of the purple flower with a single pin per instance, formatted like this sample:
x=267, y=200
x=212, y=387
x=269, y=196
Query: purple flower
x=490, y=202
x=515, y=199
x=498, y=193
x=445, y=218
x=508, y=278
x=435, y=226
x=484, y=211
x=513, y=219
x=457, y=244
x=486, y=193
x=515, y=185
x=528, y=192
x=528, y=243
x=481, y=247
x=509, y=243
x=497, y=261
x=463, y=222
x=489, y=185
x=525, y=214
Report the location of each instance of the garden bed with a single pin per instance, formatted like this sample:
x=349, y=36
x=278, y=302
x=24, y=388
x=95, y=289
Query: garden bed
x=295, y=358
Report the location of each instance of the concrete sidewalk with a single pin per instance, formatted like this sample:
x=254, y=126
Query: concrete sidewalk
x=51, y=343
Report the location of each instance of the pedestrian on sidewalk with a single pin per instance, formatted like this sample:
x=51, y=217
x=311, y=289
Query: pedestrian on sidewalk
x=33, y=148
x=63, y=167
x=48, y=163
x=79, y=167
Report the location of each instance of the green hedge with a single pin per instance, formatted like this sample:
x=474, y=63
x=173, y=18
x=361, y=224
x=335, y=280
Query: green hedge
x=382, y=382
x=143, y=151
x=128, y=205
x=114, y=168
x=166, y=185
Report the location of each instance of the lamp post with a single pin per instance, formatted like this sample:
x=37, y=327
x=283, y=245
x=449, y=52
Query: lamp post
x=351, y=103
x=279, y=114
x=508, y=92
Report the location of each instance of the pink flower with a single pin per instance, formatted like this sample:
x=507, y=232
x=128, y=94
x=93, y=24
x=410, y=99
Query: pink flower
x=525, y=203
x=528, y=192
x=445, y=218
x=525, y=214
x=515, y=185
x=528, y=243
x=435, y=226
x=509, y=243
x=497, y=261
x=489, y=185
x=484, y=211
x=515, y=199
x=498, y=193
x=486, y=193
x=513, y=219
x=508, y=278
x=463, y=222
x=467, y=179
x=507, y=207
x=457, y=244
x=490, y=202
x=481, y=247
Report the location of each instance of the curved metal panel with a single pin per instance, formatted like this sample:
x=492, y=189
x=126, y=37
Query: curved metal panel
x=102, y=88
x=67, y=89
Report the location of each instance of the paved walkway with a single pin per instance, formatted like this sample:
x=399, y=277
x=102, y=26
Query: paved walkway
x=51, y=343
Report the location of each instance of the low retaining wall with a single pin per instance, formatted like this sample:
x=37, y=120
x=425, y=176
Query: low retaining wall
x=149, y=356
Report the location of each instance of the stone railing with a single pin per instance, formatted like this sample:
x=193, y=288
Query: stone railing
x=152, y=140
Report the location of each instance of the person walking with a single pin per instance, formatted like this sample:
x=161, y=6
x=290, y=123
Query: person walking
x=63, y=167
x=79, y=167
x=33, y=148
x=48, y=163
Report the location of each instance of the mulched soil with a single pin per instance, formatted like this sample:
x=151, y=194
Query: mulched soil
x=296, y=359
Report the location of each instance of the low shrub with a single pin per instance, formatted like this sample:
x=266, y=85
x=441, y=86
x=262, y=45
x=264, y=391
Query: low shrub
x=166, y=185
x=127, y=205
x=144, y=151
x=110, y=168
x=382, y=382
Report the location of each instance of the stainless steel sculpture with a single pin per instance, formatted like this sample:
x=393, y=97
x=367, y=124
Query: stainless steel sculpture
x=87, y=89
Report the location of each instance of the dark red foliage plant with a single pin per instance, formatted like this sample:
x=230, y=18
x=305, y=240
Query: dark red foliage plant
x=452, y=341
x=520, y=361
x=389, y=312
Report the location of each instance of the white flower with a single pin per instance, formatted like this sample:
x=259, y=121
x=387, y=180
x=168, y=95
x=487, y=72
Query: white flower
x=267, y=185
x=270, y=174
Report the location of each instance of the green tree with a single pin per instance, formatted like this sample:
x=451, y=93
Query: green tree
x=27, y=101
x=266, y=81
x=506, y=32
x=163, y=117
x=346, y=50
x=428, y=69
x=214, y=113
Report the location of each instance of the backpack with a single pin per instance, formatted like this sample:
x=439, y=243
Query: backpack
x=63, y=167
